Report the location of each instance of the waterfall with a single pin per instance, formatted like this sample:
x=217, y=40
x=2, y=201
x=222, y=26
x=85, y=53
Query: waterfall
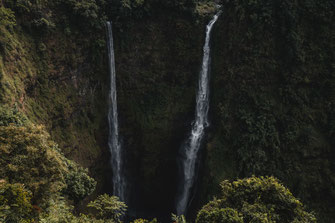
x=191, y=146
x=113, y=136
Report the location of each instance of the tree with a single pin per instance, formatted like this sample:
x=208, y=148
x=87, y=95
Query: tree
x=178, y=219
x=140, y=220
x=9, y=116
x=7, y=17
x=15, y=205
x=256, y=200
x=28, y=156
x=79, y=184
x=108, y=207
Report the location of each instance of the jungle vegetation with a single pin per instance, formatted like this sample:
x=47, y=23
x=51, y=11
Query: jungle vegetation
x=272, y=108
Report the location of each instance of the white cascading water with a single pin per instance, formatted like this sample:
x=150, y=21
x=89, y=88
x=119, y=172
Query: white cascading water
x=113, y=136
x=192, y=144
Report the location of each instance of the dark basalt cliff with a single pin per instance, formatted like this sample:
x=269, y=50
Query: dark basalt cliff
x=157, y=70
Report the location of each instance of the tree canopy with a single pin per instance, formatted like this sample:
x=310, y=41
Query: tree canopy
x=255, y=199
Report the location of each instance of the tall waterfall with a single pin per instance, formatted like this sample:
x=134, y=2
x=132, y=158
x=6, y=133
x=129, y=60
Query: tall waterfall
x=113, y=136
x=191, y=146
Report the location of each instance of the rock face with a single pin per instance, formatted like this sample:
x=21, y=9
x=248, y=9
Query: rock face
x=156, y=92
x=60, y=79
x=271, y=98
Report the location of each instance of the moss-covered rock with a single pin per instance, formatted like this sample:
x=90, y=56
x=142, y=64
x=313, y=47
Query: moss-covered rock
x=272, y=101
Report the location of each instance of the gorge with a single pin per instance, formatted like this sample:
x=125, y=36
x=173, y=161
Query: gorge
x=271, y=107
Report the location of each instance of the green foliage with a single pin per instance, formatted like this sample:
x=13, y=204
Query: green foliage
x=205, y=8
x=28, y=156
x=15, y=204
x=108, y=207
x=273, y=96
x=33, y=14
x=254, y=199
x=134, y=8
x=139, y=8
x=10, y=116
x=224, y=215
x=132, y=3
x=178, y=219
x=84, y=13
x=7, y=22
x=21, y=6
x=43, y=25
x=273, y=89
x=87, y=9
x=7, y=17
x=178, y=4
x=140, y=220
x=39, y=15
x=79, y=184
x=60, y=211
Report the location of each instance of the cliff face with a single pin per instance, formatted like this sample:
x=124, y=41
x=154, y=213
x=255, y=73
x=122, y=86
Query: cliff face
x=157, y=63
x=272, y=102
x=54, y=71
x=272, y=85
x=57, y=74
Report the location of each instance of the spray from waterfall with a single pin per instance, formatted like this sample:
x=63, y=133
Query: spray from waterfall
x=191, y=146
x=113, y=136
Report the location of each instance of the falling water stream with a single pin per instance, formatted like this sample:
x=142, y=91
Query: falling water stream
x=191, y=146
x=113, y=136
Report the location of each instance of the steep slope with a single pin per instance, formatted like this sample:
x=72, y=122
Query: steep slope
x=273, y=101
x=54, y=69
x=157, y=65
x=54, y=76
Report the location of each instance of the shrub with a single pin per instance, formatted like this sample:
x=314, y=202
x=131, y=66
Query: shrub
x=226, y=215
x=11, y=116
x=140, y=220
x=254, y=199
x=28, y=156
x=20, y=6
x=87, y=9
x=7, y=17
x=42, y=25
x=15, y=205
x=178, y=219
x=205, y=8
x=79, y=184
x=60, y=211
x=108, y=207
x=85, y=12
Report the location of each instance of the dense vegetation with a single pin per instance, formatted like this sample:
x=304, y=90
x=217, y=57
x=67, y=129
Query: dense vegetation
x=38, y=183
x=273, y=68
x=262, y=200
x=272, y=104
x=33, y=170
